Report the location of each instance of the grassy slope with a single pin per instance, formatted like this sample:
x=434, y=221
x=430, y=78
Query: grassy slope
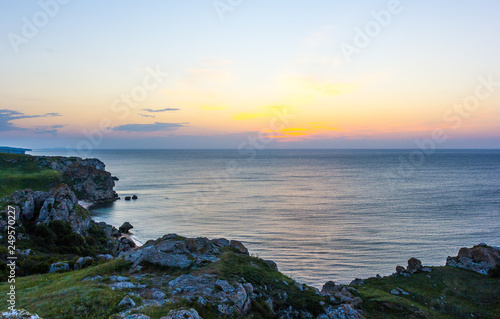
x=19, y=171
x=448, y=293
x=65, y=295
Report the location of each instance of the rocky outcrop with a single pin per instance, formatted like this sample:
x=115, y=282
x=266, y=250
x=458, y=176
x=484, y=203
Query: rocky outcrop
x=43, y=207
x=179, y=252
x=350, y=305
x=480, y=258
x=125, y=227
x=86, y=177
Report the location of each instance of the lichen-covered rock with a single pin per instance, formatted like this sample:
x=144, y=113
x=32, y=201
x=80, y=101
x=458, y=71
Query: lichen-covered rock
x=19, y=314
x=480, y=258
x=126, y=303
x=182, y=314
x=414, y=265
x=175, y=251
x=83, y=262
x=59, y=267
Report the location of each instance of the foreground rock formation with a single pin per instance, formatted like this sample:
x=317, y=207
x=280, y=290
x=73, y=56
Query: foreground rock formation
x=480, y=258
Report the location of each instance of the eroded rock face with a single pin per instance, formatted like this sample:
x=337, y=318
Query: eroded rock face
x=480, y=258
x=86, y=177
x=58, y=204
x=175, y=251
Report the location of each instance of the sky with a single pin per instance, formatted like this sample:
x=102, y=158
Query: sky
x=249, y=74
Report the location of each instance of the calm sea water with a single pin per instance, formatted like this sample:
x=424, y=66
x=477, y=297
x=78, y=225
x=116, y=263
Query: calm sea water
x=319, y=214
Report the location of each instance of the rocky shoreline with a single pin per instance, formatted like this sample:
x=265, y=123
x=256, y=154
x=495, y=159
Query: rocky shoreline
x=181, y=277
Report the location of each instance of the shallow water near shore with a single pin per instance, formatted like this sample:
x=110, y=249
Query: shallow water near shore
x=319, y=214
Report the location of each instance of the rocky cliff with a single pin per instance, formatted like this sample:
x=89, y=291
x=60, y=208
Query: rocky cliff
x=87, y=178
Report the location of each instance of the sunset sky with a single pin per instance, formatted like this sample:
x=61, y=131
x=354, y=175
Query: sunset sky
x=219, y=73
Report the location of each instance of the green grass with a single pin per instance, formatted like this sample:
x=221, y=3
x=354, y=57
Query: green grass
x=19, y=171
x=448, y=293
x=65, y=295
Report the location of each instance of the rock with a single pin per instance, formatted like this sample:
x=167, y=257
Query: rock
x=128, y=197
x=122, y=285
x=398, y=291
x=125, y=227
x=344, y=311
x=92, y=278
x=328, y=288
x=480, y=258
x=357, y=282
x=126, y=303
x=238, y=246
x=157, y=294
x=125, y=244
x=182, y=314
x=104, y=257
x=426, y=269
x=83, y=262
x=87, y=177
x=221, y=242
x=175, y=251
x=400, y=269
x=19, y=314
x=271, y=264
x=414, y=265
x=115, y=178
x=59, y=267
x=135, y=197
x=137, y=316
x=118, y=278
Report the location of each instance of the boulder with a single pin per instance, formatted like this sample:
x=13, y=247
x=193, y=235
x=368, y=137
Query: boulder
x=328, y=288
x=126, y=303
x=480, y=258
x=357, y=282
x=19, y=314
x=400, y=269
x=182, y=314
x=128, y=197
x=125, y=227
x=59, y=267
x=134, y=197
x=83, y=262
x=62, y=204
x=238, y=246
x=175, y=251
x=414, y=265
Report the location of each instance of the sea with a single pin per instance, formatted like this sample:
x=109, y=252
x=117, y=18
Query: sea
x=321, y=215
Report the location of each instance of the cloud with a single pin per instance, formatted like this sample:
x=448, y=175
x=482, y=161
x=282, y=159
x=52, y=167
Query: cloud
x=156, y=127
x=7, y=116
x=51, y=129
x=162, y=110
x=145, y=115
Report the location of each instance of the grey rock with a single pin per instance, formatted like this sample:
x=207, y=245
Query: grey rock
x=125, y=227
x=480, y=258
x=182, y=314
x=238, y=246
x=414, y=265
x=58, y=267
x=83, y=262
x=122, y=285
x=118, y=278
x=400, y=269
x=137, y=316
x=104, y=257
x=357, y=282
x=126, y=303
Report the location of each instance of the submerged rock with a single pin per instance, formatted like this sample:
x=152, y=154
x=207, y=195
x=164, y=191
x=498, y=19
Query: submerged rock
x=125, y=227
